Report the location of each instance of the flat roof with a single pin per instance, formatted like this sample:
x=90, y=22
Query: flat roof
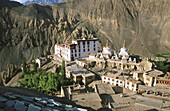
x=155, y=89
x=104, y=89
x=118, y=74
x=88, y=74
x=86, y=39
x=86, y=97
x=75, y=69
x=154, y=73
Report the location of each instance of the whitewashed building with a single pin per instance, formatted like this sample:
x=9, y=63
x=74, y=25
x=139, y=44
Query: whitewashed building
x=117, y=79
x=77, y=49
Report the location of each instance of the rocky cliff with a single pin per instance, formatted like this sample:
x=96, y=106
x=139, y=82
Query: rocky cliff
x=32, y=31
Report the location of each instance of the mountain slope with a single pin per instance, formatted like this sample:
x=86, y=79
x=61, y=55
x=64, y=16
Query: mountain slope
x=32, y=31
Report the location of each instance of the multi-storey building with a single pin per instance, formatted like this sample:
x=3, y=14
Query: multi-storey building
x=77, y=49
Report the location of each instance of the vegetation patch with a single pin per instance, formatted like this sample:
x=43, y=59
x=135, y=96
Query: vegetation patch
x=164, y=55
x=162, y=65
x=42, y=81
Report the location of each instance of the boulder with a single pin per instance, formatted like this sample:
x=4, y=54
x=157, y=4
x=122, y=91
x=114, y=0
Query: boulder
x=19, y=106
x=47, y=109
x=30, y=99
x=38, y=104
x=50, y=105
x=2, y=105
x=9, y=93
x=42, y=102
x=33, y=108
x=2, y=99
x=9, y=109
x=12, y=97
x=57, y=103
x=37, y=98
x=44, y=98
x=50, y=101
x=10, y=103
x=16, y=95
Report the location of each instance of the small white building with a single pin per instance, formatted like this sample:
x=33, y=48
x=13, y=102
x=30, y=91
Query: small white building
x=79, y=48
x=41, y=61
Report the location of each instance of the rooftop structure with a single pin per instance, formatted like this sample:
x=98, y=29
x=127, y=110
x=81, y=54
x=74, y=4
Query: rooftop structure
x=77, y=49
x=104, y=89
x=79, y=74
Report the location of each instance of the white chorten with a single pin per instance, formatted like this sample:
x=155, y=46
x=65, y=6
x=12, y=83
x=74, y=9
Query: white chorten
x=123, y=51
x=130, y=59
x=101, y=56
x=107, y=50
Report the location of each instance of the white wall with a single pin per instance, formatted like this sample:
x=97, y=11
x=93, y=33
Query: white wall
x=67, y=53
x=119, y=82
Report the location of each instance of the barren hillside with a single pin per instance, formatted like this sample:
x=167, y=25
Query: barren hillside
x=32, y=31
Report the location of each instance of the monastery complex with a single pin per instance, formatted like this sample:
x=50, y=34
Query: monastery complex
x=120, y=69
x=85, y=64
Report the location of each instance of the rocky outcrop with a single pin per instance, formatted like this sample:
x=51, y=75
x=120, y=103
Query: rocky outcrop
x=6, y=76
x=8, y=3
x=33, y=30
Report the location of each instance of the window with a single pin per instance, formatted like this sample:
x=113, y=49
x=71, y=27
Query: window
x=108, y=78
x=84, y=50
x=71, y=51
x=71, y=55
x=94, y=49
x=75, y=51
x=79, y=50
x=75, y=55
x=88, y=49
x=79, y=54
x=88, y=42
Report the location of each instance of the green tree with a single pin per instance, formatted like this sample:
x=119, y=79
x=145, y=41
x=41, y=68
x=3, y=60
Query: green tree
x=43, y=81
x=24, y=71
x=30, y=84
x=34, y=66
x=35, y=80
x=62, y=71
